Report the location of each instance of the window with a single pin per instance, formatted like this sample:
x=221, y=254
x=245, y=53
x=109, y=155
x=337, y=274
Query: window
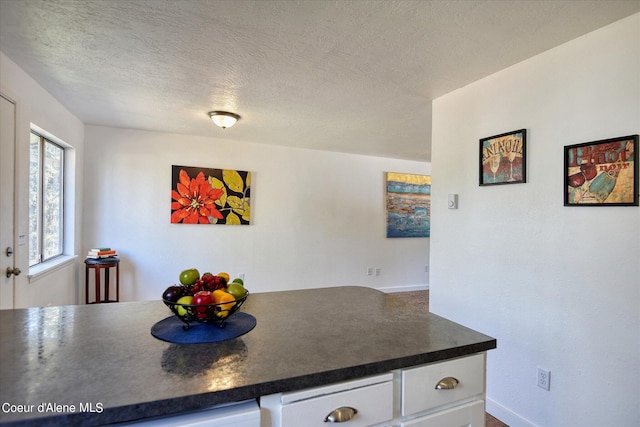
x=46, y=199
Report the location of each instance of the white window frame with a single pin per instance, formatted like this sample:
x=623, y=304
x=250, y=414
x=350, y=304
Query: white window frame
x=41, y=269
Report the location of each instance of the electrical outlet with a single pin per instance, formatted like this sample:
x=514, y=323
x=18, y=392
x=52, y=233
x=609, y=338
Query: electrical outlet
x=241, y=276
x=544, y=379
x=426, y=268
x=369, y=271
x=377, y=271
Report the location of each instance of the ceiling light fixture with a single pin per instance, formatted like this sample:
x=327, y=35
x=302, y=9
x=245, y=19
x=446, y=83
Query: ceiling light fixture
x=224, y=119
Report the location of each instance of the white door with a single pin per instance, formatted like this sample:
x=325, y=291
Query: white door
x=7, y=205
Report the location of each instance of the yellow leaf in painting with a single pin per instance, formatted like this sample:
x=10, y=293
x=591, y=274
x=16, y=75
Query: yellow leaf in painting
x=233, y=180
x=248, y=180
x=232, y=219
x=246, y=215
x=216, y=183
x=235, y=203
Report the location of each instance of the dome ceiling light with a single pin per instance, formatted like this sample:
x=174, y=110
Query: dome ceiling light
x=224, y=119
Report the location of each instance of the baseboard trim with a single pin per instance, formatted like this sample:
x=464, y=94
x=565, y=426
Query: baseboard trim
x=506, y=416
x=407, y=288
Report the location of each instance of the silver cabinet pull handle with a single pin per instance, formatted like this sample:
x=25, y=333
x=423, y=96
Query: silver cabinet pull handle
x=341, y=415
x=448, y=383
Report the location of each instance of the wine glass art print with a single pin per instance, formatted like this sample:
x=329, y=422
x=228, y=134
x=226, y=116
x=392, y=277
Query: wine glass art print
x=602, y=173
x=503, y=158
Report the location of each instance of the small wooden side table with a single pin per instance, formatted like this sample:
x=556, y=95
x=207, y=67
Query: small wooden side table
x=105, y=264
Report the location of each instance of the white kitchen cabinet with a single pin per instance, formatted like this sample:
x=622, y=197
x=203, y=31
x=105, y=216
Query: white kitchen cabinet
x=367, y=401
x=466, y=415
x=404, y=398
x=419, y=385
x=450, y=393
x=242, y=414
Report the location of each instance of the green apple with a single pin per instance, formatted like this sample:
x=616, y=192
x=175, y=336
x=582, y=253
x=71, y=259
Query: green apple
x=238, y=280
x=182, y=311
x=236, y=289
x=189, y=276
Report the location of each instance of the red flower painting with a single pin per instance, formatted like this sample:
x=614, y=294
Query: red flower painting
x=193, y=200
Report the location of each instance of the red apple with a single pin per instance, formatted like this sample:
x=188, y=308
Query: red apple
x=202, y=298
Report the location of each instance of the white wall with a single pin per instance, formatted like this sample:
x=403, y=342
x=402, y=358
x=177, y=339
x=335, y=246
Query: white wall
x=36, y=106
x=559, y=287
x=318, y=218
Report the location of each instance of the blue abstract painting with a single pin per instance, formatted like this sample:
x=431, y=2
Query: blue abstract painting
x=408, y=205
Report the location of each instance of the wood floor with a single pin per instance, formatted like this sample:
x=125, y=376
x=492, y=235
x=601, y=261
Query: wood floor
x=491, y=421
x=420, y=299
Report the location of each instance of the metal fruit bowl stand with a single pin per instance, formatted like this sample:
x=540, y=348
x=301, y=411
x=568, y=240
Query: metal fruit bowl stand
x=216, y=314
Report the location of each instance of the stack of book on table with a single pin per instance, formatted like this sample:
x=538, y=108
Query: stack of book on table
x=101, y=253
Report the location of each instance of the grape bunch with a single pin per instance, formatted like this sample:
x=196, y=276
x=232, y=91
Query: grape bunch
x=208, y=282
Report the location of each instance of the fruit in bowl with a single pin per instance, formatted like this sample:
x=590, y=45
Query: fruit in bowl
x=207, y=299
x=225, y=301
x=189, y=276
x=236, y=289
x=202, y=299
x=173, y=293
x=183, y=304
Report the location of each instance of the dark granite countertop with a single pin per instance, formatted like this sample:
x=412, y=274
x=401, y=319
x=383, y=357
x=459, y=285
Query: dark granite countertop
x=103, y=358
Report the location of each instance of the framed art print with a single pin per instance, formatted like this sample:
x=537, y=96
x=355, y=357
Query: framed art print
x=210, y=196
x=503, y=158
x=408, y=205
x=602, y=173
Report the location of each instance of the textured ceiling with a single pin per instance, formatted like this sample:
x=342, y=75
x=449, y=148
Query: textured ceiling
x=347, y=76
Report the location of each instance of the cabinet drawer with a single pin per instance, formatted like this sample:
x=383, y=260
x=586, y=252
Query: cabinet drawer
x=374, y=404
x=419, y=391
x=244, y=414
x=467, y=415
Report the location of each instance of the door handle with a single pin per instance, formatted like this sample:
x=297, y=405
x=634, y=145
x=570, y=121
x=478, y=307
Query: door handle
x=15, y=271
